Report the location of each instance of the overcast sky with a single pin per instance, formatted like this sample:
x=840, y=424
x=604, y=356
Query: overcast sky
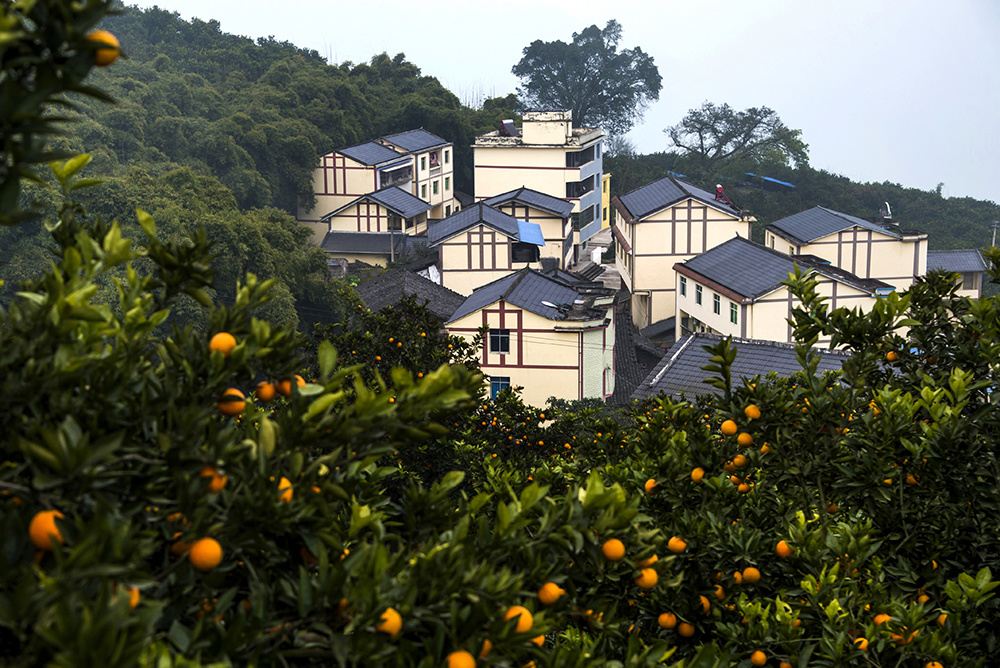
x=906, y=91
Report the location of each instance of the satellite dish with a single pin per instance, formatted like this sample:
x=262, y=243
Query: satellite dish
x=549, y=304
x=886, y=211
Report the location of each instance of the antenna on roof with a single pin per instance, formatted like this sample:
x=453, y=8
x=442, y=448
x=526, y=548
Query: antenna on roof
x=549, y=304
x=886, y=212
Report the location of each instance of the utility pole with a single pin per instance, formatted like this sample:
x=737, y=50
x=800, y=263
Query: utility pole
x=995, y=224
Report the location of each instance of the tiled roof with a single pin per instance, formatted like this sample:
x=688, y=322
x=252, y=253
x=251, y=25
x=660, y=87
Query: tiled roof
x=819, y=222
x=388, y=288
x=629, y=372
x=368, y=242
x=680, y=372
x=535, y=199
x=658, y=195
x=370, y=153
x=415, y=140
x=532, y=291
x=961, y=261
x=399, y=201
x=470, y=217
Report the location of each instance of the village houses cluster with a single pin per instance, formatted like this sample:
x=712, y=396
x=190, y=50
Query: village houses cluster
x=516, y=257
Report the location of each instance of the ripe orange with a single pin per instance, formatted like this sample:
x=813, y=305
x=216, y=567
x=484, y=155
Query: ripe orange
x=205, y=554
x=648, y=577
x=391, y=622
x=783, y=550
x=667, y=620
x=765, y=449
x=697, y=474
x=739, y=461
x=224, y=342
x=784, y=664
x=486, y=649
x=216, y=482
x=758, y=658
x=745, y=439
x=108, y=53
x=524, y=618
x=862, y=644
x=832, y=508
x=933, y=664
x=650, y=486
x=706, y=605
x=744, y=488
x=266, y=391
x=285, y=490
x=538, y=640
x=613, y=549
x=901, y=639
x=891, y=356
x=752, y=412
x=881, y=619
x=685, y=629
x=720, y=593
x=728, y=428
x=461, y=659
x=231, y=403
x=646, y=563
x=284, y=387
x=179, y=547
x=751, y=575
x=942, y=619
x=43, y=529
x=133, y=598
x=676, y=545
x=549, y=593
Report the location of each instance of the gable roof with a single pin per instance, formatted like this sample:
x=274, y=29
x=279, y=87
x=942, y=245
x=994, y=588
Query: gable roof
x=470, y=217
x=369, y=242
x=533, y=198
x=533, y=291
x=388, y=288
x=961, y=261
x=370, y=153
x=393, y=198
x=415, y=140
x=666, y=192
x=680, y=372
x=818, y=222
x=747, y=271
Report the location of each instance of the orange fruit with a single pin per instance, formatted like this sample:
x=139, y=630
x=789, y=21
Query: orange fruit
x=461, y=659
x=752, y=412
x=667, y=620
x=648, y=577
x=738, y=577
x=179, y=547
x=706, y=605
x=108, y=53
x=676, y=545
x=758, y=658
x=832, y=508
x=881, y=619
x=942, y=619
x=549, y=593
x=685, y=629
x=783, y=550
x=862, y=644
x=231, y=403
x=285, y=490
x=646, y=563
x=43, y=529
x=538, y=640
x=486, y=649
x=284, y=387
x=739, y=461
x=613, y=549
x=765, y=449
x=933, y=664
x=223, y=342
x=720, y=593
x=391, y=622
x=744, y=488
x=697, y=474
x=266, y=391
x=524, y=618
x=751, y=575
x=216, y=482
x=650, y=486
x=745, y=439
x=901, y=639
x=205, y=554
x=784, y=664
x=728, y=428
x=891, y=356
x=133, y=598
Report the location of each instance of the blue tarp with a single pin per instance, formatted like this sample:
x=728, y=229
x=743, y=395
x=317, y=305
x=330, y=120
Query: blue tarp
x=530, y=233
x=768, y=178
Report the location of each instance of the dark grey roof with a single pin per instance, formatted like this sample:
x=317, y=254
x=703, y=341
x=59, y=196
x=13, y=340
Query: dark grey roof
x=658, y=195
x=680, y=372
x=533, y=198
x=819, y=222
x=465, y=199
x=629, y=371
x=961, y=261
x=369, y=242
x=415, y=140
x=469, y=217
x=388, y=288
x=370, y=153
x=399, y=201
x=535, y=292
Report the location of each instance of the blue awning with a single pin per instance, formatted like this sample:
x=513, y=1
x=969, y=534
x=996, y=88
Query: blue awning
x=530, y=233
x=780, y=183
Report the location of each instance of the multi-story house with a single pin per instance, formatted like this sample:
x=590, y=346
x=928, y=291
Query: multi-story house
x=968, y=263
x=417, y=161
x=551, y=156
x=883, y=251
x=389, y=209
x=660, y=224
x=550, y=213
x=736, y=289
x=551, y=337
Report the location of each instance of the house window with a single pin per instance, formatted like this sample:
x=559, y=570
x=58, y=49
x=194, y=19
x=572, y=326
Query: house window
x=716, y=303
x=447, y=211
x=498, y=384
x=524, y=252
x=598, y=147
x=733, y=314
x=605, y=186
x=423, y=162
x=423, y=191
x=605, y=214
x=697, y=295
x=395, y=223
x=772, y=241
x=500, y=341
x=447, y=156
x=684, y=286
x=434, y=158
x=791, y=250
x=435, y=187
x=447, y=183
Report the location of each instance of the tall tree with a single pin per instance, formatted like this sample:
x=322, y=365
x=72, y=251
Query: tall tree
x=718, y=135
x=602, y=86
